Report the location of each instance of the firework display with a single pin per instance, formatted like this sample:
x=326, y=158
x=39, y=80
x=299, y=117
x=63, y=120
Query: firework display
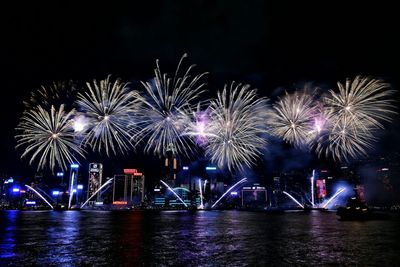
x=363, y=99
x=354, y=114
x=55, y=94
x=168, y=116
x=48, y=137
x=109, y=108
x=344, y=141
x=165, y=111
x=238, y=122
x=199, y=128
x=295, y=118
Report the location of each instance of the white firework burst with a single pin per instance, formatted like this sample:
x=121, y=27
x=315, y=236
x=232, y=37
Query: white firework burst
x=354, y=115
x=238, y=123
x=365, y=101
x=296, y=118
x=48, y=137
x=344, y=140
x=165, y=111
x=109, y=107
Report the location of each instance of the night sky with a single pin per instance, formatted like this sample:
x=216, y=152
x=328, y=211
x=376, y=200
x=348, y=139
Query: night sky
x=268, y=46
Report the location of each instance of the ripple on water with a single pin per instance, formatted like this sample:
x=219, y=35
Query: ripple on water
x=206, y=238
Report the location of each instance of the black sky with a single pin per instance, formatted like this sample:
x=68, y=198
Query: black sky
x=257, y=42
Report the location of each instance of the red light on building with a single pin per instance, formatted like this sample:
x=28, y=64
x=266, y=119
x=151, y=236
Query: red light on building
x=138, y=174
x=360, y=192
x=321, y=189
x=120, y=202
x=130, y=171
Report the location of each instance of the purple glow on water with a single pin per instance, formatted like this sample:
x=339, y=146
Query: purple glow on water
x=228, y=238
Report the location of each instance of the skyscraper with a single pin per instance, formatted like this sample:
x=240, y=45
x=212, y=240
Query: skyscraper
x=95, y=179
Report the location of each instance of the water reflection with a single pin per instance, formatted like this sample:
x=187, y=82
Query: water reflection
x=206, y=238
x=63, y=237
x=7, y=235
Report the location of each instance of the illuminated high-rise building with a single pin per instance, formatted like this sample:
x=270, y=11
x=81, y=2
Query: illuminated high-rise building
x=170, y=164
x=120, y=194
x=95, y=179
x=73, y=182
x=129, y=188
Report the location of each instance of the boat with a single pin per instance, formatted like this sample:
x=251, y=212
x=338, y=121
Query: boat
x=358, y=210
x=308, y=208
x=75, y=207
x=60, y=207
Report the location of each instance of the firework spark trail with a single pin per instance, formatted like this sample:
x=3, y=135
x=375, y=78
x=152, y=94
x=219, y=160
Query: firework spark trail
x=338, y=192
x=296, y=119
x=48, y=137
x=109, y=107
x=173, y=192
x=56, y=94
x=292, y=198
x=354, y=114
x=166, y=110
x=238, y=123
x=97, y=191
x=41, y=196
x=229, y=190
